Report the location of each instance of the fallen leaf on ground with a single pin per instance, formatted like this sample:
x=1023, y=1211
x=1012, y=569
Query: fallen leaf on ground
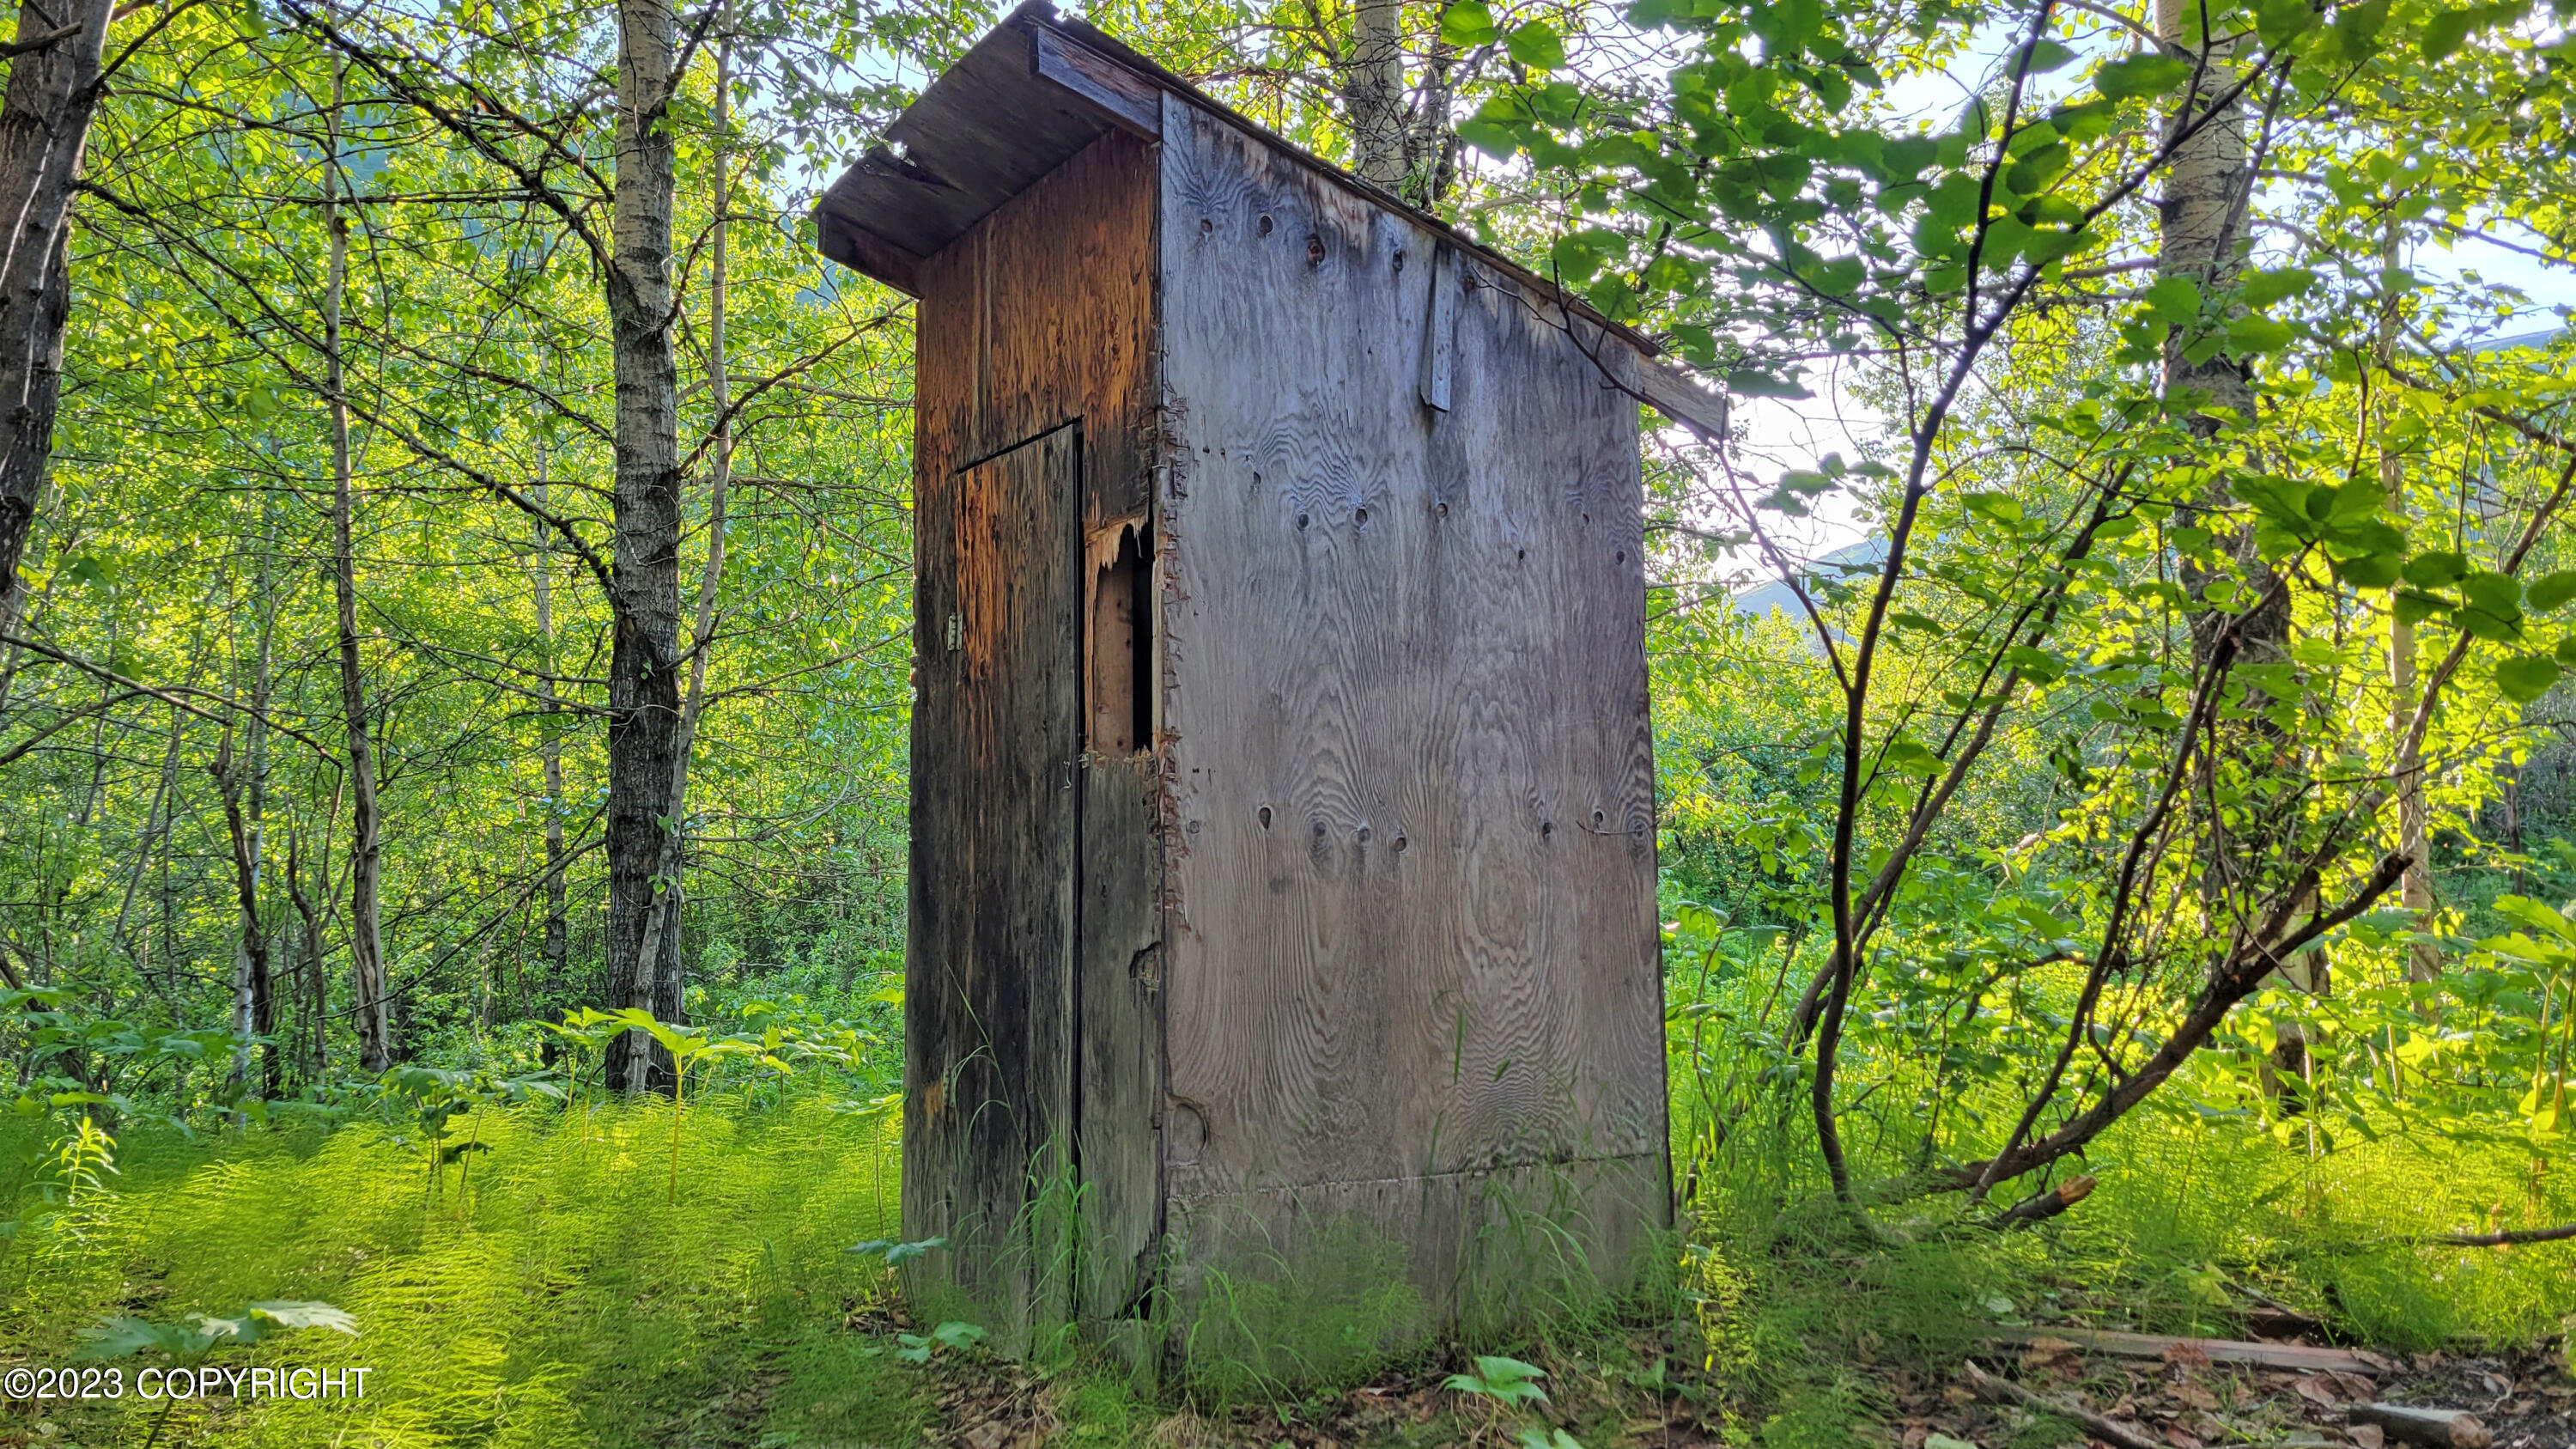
x=2190, y=1358
x=2322, y=1390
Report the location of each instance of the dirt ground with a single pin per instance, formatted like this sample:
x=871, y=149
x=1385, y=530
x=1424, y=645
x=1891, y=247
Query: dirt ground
x=2179, y=1400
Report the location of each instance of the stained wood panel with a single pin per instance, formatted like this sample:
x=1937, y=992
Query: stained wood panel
x=1038, y=317
x=990, y=982
x=1484, y=1249
x=1410, y=930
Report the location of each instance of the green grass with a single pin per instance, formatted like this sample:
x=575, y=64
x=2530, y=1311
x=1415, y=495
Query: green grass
x=2188, y=1212
x=553, y=1296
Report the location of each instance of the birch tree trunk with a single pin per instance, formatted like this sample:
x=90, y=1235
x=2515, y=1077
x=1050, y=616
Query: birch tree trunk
x=661, y=923
x=44, y=125
x=1373, y=94
x=2208, y=191
x=643, y=670
x=367, y=977
x=2201, y=238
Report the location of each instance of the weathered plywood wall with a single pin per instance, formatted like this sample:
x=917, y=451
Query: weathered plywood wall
x=1034, y=428
x=1411, y=969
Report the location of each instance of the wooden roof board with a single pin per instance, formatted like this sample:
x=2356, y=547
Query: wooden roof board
x=985, y=131
x=991, y=125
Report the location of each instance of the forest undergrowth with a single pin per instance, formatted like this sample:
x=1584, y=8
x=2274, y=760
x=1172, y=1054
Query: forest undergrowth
x=585, y=1274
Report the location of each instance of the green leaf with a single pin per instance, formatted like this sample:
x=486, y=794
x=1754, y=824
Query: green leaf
x=1493, y=140
x=2446, y=32
x=2036, y=665
x=2032, y=174
x=123, y=1337
x=2145, y=74
x=2048, y=55
x=1907, y=757
x=1698, y=920
x=1787, y=25
x=1953, y=203
x=1467, y=23
x=1576, y=260
x=2252, y=336
x=1748, y=382
x=2281, y=21
x=2551, y=592
x=2265, y=289
x=2493, y=593
x=958, y=1335
x=2085, y=122
x=2526, y=677
x=2413, y=606
x=2174, y=300
x=1496, y=1377
x=2433, y=569
x=1537, y=46
x=2001, y=507
x=2368, y=571
x=1907, y=155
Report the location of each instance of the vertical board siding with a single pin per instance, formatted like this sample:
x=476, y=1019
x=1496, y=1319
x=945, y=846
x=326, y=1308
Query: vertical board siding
x=988, y=985
x=1410, y=929
x=1034, y=421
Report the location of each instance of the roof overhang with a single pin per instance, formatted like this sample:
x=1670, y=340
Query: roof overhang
x=1040, y=88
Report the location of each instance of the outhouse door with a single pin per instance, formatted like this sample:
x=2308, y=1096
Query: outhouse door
x=996, y=750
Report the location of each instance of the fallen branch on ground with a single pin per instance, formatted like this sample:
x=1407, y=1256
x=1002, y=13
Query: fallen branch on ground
x=2504, y=1239
x=2304, y=1358
x=2005, y=1391
x=2431, y=1428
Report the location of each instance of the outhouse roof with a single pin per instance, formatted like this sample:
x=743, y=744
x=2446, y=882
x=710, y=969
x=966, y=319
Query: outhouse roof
x=1034, y=91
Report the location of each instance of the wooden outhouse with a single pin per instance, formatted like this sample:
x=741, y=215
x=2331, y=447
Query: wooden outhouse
x=1283, y=953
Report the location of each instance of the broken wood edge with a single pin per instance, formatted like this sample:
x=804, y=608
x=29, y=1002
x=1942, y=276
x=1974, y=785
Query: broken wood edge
x=2298, y=1357
x=1102, y=86
x=1995, y=1389
x=1682, y=399
x=854, y=246
x=2046, y=1203
x=1440, y=329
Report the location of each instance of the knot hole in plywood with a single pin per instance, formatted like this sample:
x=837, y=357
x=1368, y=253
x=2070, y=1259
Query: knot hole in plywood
x=1185, y=1132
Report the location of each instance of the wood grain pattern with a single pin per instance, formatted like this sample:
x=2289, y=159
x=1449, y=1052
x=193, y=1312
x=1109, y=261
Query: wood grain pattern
x=1440, y=329
x=862, y=250
x=1483, y=1249
x=1039, y=317
x=1118, y=95
x=1410, y=929
x=989, y=981
x=979, y=136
